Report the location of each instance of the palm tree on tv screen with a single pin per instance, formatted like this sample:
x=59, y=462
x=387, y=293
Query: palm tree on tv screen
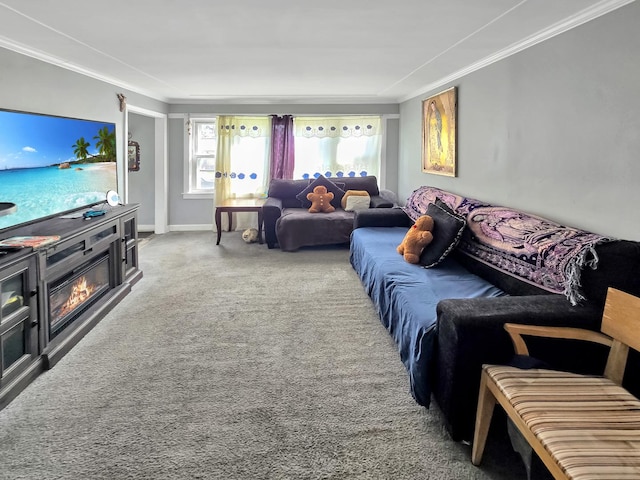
x=106, y=144
x=81, y=148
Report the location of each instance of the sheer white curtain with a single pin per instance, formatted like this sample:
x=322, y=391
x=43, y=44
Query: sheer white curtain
x=242, y=161
x=337, y=146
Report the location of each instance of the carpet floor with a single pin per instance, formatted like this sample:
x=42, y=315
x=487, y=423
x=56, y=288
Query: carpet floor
x=235, y=362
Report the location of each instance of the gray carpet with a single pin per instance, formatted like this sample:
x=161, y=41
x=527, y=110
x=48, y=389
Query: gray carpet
x=235, y=362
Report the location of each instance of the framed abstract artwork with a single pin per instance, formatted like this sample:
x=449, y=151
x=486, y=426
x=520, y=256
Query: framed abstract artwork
x=439, y=133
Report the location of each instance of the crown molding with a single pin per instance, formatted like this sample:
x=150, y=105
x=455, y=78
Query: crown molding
x=282, y=100
x=574, y=21
x=58, y=62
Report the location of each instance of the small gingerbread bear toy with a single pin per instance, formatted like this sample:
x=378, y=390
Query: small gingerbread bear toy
x=320, y=200
x=418, y=237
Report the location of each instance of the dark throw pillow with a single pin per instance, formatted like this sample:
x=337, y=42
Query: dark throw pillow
x=445, y=207
x=447, y=230
x=335, y=188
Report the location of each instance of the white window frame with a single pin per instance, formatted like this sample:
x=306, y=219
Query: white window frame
x=328, y=119
x=190, y=192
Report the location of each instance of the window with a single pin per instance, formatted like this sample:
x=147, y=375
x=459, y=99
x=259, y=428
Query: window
x=337, y=146
x=203, y=146
x=229, y=155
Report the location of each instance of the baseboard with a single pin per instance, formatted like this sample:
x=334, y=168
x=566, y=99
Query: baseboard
x=179, y=228
x=191, y=228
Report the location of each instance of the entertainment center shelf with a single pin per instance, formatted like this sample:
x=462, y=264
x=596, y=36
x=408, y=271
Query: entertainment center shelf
x=53, y=295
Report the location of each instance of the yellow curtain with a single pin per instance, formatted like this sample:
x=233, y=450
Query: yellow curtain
x=242, y=159
x=223, y=160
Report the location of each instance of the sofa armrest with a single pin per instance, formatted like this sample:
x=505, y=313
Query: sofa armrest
x=271, y=211
x=378, y=201
x=390, y=196
x=383, y=217
x=471, y=333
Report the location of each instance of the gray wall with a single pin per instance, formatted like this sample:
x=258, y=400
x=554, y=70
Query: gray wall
x=553, y=130
x=185, y=214
x=390, y=176
x=141, y=182
x=35, y=86
x=31, y=85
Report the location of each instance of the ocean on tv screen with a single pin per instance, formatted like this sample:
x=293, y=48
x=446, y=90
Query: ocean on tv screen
x=44, y=191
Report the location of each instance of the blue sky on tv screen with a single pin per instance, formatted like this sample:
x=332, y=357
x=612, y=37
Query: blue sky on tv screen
x=31, y=140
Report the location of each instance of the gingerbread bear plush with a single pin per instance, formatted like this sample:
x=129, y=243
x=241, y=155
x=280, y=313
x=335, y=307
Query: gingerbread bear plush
x=418, y=237
x=320, y=200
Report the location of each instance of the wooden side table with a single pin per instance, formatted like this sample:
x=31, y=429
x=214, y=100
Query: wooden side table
x=239, y=205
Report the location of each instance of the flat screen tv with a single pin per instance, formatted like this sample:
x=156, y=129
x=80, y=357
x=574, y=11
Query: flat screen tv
x=51, y=165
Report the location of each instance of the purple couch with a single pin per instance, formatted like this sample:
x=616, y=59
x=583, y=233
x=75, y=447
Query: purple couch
x=289, y=225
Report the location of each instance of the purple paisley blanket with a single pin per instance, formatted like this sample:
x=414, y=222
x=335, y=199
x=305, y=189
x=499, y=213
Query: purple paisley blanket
x=532, y=249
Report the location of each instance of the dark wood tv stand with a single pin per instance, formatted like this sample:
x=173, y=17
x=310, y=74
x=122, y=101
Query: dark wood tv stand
x=53, y=295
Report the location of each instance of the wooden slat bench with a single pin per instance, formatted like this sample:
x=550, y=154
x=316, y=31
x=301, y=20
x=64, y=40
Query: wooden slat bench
x=582, y=427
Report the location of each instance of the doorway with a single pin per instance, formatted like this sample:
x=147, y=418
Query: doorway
x=147, y=185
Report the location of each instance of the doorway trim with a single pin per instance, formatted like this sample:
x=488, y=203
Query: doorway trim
x=161, y=193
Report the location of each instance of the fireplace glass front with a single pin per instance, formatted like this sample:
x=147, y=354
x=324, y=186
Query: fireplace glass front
x=73, y=294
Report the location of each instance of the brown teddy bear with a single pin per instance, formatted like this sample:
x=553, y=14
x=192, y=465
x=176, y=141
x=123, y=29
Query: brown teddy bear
x=418, y=237
x=320, y=200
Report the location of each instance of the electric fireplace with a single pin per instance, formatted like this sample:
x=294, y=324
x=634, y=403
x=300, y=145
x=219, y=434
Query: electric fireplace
x=55, y=294
x=73, y=294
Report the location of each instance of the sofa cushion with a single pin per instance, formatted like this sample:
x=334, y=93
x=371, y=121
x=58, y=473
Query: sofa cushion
x=320, y=200
x=406, y=297
x=447, y=230
x=298, y=228
x=284, y=188
x=354, y=203
x=422, y=197
x=356, y=200
x=367, y=183
x=618, y=267
x=532, y=248
x=335, y=188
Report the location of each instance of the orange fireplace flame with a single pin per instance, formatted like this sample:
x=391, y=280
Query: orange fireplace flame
x=80, y=291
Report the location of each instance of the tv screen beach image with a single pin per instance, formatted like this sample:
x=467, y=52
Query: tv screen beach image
x=50, y=165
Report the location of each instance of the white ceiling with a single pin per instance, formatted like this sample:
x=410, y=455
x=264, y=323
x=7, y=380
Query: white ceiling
x=283, y=51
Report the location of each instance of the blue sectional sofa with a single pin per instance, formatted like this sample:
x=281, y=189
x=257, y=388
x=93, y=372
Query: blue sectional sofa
x=505, y=266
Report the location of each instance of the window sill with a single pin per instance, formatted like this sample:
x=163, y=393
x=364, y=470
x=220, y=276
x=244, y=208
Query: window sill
x=198, y=196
